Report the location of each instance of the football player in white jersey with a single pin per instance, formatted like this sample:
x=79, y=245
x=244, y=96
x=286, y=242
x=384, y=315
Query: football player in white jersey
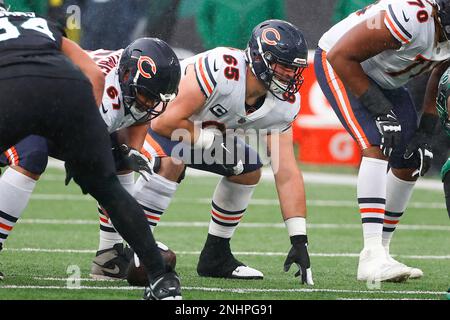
x=230, y=89
x=139, y=82
x=362, y=65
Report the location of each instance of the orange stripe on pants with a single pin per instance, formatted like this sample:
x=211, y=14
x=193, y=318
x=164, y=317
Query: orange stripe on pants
x=345, y=106
x=155, y=145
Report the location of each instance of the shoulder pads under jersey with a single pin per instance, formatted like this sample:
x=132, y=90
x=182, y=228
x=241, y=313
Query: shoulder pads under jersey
x=214, y=70
x=405, y=19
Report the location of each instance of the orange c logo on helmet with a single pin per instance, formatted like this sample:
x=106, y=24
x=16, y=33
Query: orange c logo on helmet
x=268, y=41
x=140, y=64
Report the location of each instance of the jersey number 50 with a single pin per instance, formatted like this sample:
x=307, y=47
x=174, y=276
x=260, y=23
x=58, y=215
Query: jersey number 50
x=12, y=32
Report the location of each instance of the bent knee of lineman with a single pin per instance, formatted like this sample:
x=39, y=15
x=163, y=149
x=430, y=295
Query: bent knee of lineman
x=249, y=178
x=35, y=162
x=171, y=169
x=32, y=164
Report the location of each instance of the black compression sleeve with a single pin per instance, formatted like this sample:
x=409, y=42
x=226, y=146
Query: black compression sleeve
x=375, y=101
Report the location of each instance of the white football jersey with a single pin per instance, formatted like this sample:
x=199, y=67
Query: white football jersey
x=411, y=23
x=112, y=109
x=221, y=74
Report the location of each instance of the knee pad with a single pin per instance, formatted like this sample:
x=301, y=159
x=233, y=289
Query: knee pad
x=155, y=193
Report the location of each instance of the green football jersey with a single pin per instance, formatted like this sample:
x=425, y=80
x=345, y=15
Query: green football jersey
x=442, y=98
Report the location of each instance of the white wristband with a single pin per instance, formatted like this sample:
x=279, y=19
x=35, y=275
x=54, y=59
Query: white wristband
x=205, y=139
x=296, y=226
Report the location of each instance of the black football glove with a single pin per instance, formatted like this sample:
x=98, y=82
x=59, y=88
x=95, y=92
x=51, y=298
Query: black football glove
x=299, y=255
x=420, y=145
x=374, y=100
x=390, y=130
x=134, y=160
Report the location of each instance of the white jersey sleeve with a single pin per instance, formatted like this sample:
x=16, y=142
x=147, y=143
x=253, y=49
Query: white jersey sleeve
x=217, y=66
x=406, y=20
x=411, y=23
x=112, y=108
x=221, y=75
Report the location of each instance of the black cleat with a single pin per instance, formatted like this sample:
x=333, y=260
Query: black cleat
x=217, y=261
x=111, y=264
x=165, y=287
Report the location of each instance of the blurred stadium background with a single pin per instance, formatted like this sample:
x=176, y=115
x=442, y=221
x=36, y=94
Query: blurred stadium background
x=60, y=225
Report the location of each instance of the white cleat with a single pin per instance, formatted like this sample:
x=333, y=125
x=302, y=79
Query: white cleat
x=244, y=272
x=374, y=266
x=414, y=273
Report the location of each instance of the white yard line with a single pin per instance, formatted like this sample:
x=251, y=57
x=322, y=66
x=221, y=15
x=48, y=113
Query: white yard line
x=230, y=290
x=370, y=299
x=203, y=224
x=255, y=202
x=309, y=177
x=68, y=288
x=250, y=290
x=239, y=253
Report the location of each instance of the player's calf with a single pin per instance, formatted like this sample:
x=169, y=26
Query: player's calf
x=229, y=203
x=217, y=261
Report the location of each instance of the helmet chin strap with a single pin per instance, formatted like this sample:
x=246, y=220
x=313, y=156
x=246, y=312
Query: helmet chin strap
x=135, y=112
x=277, y=86
x=250, y=61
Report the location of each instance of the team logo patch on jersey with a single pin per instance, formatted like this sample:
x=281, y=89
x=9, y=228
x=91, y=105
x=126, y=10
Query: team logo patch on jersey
x=266, y=33
x=143, y=60
x=218, y=110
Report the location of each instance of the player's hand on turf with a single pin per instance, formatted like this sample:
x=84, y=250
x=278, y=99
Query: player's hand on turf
x=390, y=130
x=421, y=146
x=299, y=255
x=136, y=161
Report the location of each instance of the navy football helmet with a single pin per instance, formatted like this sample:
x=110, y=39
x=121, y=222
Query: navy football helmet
x=278, y=44
x=148, y=69
x=2, y=4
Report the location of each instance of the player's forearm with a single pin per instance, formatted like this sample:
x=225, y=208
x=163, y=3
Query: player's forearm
x=291, y=194
x=356, y=46
x=175, y=129
x=133, y=136
x=87, y=66
x=350, y=72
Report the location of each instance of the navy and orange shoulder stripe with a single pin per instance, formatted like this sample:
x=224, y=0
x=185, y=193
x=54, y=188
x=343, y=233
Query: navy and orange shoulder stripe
x=396, y=27
x=204, y=75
